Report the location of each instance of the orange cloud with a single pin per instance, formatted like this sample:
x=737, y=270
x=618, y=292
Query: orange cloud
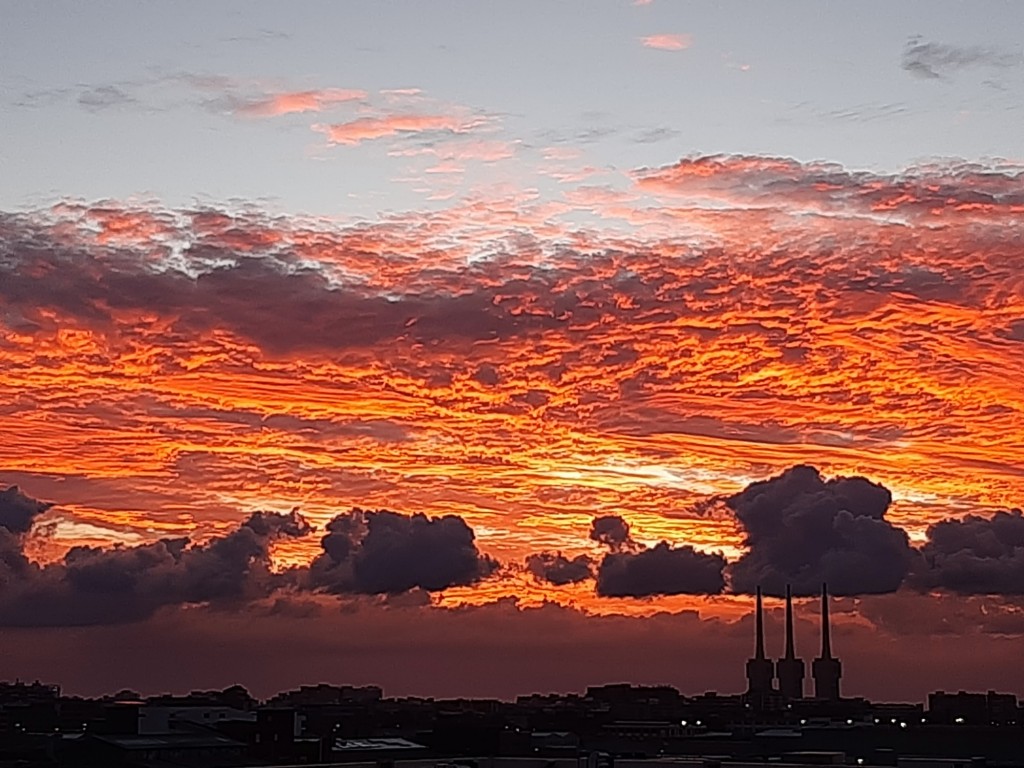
x=298, y=101
x=667, y=42
x=172, y=370
x=480, y=150
x=371, y=128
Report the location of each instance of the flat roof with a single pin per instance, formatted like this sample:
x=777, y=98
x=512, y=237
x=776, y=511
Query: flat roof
x=370, y=745
x=176, y=740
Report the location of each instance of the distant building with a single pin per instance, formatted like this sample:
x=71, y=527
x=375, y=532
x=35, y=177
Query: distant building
x=973, y=708
x=327, y=694
x=28, y=707
x=157, y=719
x=193, y=749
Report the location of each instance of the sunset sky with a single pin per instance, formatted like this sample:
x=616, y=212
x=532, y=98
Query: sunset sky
x=480, y=348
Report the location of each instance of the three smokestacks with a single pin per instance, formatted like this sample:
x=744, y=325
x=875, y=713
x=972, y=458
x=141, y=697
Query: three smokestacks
x=762, y=673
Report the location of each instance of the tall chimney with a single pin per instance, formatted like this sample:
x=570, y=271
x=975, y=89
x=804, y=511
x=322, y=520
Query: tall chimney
x=826, y=632
x=759, y=625
x=826, y=669
x=790, y=649
x=759, y=669
x=789, y=669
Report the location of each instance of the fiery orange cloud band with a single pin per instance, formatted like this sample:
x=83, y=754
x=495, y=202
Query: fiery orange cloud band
x=173, y=370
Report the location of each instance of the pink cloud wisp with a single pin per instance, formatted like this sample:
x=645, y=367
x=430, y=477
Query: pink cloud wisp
x=667, y=42
x=299, y=101
x=370, y=128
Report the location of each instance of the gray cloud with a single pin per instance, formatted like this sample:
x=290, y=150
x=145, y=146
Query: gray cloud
x=935, y=61
x=660, y=570
x=556, y=568
x=124, y=584
x=803, y=530
x=975, y=555
x=384, y=552
x=613, y=532
x=18, y=511
x=105, y=97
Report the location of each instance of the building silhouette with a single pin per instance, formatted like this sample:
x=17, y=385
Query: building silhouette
x=826, y=669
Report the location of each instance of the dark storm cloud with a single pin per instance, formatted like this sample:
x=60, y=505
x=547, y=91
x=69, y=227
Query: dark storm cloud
x=612, y=531
x=18, y=511
x=975, y=555
x=937, y=60
x=556, y=568
x=384, y=552
x=661, y=570
x=123, y=584
x=803, y=530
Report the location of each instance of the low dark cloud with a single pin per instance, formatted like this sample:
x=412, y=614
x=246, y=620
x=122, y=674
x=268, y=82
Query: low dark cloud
x=556, y=568
x=803, y=530
x=613, y=532
x=632, y=570
x=18, y=511
x=975, y=555
x=123, y=584
x=935, y=61
x=384, y=552
x=364, y=552
x=661, y=570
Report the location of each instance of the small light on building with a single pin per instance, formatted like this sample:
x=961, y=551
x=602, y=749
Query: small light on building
x=958, y=720
x=682, y=722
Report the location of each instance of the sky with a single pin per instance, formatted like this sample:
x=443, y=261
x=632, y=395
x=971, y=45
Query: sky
x=468, y=348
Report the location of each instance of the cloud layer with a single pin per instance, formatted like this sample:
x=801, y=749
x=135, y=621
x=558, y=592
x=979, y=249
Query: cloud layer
x=122, y=584
x=722, y=320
